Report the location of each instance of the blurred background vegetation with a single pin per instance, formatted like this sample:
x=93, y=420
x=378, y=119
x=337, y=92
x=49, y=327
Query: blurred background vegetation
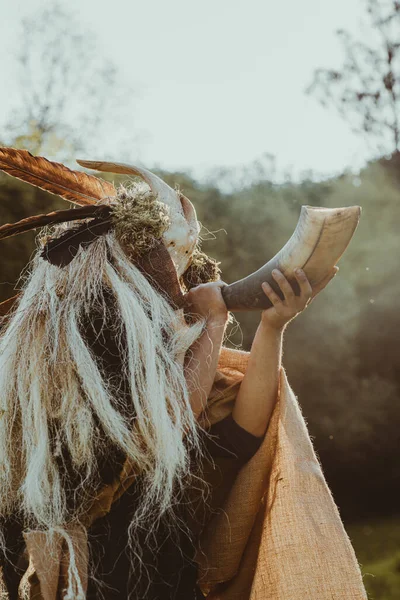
x=342, y=355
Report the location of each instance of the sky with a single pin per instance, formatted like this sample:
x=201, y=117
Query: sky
x=218, y=83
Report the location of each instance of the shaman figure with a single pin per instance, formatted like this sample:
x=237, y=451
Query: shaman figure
x=139, y=458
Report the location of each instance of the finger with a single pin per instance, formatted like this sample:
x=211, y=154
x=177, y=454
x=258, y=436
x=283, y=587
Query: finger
x=304, y=285
x=322, y=284
x=283, y=283
x=271, y=294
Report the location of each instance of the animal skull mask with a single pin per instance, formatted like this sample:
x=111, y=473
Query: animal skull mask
x=181, y=236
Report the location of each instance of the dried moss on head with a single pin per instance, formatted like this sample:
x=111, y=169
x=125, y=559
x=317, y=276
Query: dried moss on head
x=202, y=269
x=139, y=219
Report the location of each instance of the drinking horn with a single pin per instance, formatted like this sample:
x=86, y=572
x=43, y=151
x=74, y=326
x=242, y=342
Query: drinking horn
x=319, y=240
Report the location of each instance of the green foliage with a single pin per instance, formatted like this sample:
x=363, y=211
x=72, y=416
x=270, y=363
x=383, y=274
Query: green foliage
x=377, y=546
x=382, y=578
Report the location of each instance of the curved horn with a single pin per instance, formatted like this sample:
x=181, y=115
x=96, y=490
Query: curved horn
x=318, y=242
x=157, y=185
x=181, y=237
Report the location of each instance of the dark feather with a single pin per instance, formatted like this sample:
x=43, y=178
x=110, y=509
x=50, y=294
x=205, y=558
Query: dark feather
x=60, y=251
x=57, y=216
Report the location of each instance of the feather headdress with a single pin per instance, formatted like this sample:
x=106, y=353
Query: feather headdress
x=98, y=212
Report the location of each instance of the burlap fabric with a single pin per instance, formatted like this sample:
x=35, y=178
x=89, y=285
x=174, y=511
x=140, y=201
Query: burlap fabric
x=279, y=535
x=276, y=536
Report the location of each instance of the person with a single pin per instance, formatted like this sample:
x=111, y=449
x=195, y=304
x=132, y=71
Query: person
x=111, y=367
x=172, y=573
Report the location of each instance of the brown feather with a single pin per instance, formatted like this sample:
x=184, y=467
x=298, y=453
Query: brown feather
x=57, y=216
x=55, y=178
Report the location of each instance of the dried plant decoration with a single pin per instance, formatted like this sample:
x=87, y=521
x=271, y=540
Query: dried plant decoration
x=202, y=269
x=138, y=218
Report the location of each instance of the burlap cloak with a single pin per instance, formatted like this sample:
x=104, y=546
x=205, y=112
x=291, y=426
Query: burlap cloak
x=277, y=536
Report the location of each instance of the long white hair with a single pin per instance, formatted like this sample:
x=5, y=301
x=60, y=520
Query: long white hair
x=54, y=393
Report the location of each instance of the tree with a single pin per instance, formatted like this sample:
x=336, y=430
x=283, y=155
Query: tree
x=366, y=90
x=70, y=95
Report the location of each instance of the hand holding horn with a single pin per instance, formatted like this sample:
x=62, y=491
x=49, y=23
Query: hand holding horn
x=319, y=240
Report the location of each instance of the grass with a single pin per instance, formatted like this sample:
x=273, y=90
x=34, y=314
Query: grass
x=377, y=545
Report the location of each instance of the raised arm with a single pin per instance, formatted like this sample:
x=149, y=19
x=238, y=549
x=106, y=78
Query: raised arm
x=259, y=389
